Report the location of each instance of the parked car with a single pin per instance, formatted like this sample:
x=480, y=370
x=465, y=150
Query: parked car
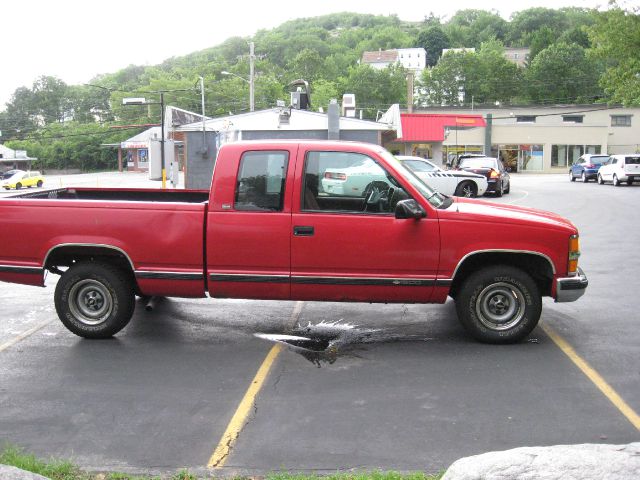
x=620, y=168
x=587, y=166
x=498, y=180
x=23, y=179
x=453, y=182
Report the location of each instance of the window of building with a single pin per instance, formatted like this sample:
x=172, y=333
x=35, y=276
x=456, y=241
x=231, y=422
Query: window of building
x=260, y=182
x=565, y=155
x=620, y=120
x=526, y=119
x=592, y=149
x=573, y=118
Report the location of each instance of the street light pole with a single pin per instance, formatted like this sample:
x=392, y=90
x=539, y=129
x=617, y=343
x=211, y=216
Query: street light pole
x=252, y=75
x=164, y=170
x=252, y=58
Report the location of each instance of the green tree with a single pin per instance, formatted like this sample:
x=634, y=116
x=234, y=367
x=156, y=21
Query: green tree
x=376, y=89
x=433, y=40
x=563, y=73
x=616, y=41
x=469, y=28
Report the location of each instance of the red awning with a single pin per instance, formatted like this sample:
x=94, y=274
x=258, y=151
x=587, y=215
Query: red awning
x=421, y=127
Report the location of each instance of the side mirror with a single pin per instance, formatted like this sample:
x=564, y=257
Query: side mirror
x=409, y=208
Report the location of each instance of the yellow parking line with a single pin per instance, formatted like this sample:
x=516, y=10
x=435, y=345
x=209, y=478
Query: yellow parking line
x=229, y=437
x=594, y=376
x=238, y=420
x=24, y=335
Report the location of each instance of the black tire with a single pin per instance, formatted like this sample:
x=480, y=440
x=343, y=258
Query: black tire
x=18, y=186
x=629, y=182
x=499, y=304
x=571, y=177
x=39, y=183
x=466, y=189
x=583, y=177
x=600, y=180
x=508, y=189
x=499, y=190
x=95, y=300
x=616, y=182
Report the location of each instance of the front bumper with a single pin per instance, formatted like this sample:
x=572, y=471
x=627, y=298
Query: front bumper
x=569, y=289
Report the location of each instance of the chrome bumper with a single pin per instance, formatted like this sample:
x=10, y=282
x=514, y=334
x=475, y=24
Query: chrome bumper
x=569, y=289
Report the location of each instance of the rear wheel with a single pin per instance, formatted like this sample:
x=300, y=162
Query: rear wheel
x=39, y=183
x=94, y=300
x=18, y=186
x=571, y=177
x=499, y=304
x=616, y=182
x=584, y=178
x=508, y=189
x=600, y=180
x=499, y=189
x=630, y=181
x=466, y=189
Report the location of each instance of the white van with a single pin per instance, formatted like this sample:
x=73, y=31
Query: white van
x=620, y=168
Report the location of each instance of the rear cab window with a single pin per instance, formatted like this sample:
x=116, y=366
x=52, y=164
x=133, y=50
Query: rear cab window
x=261, y=180
x=635, y=160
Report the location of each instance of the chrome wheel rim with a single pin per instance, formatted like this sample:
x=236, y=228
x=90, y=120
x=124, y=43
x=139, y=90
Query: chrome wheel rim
x=90, y=302
x=467, y=191
x=500, y=306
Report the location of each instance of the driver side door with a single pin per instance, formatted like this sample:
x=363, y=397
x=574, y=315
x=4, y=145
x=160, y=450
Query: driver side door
x=348, y=246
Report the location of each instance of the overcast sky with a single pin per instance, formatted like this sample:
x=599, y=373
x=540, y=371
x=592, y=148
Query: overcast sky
x=76, y=40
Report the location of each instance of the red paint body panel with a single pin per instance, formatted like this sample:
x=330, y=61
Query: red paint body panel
x=177, y=248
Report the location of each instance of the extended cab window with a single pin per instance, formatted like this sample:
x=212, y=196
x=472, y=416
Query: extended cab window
x=260, y=183
x=348, y=182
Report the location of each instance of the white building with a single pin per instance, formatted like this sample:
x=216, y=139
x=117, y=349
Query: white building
x=527, y=138
x=413, y=59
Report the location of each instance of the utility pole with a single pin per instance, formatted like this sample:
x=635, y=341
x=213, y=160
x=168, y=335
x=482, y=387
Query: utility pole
x=252, y=58
x=164, y=170
x=204, y=131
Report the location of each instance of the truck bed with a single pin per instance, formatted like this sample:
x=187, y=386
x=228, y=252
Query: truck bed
x=118, y=194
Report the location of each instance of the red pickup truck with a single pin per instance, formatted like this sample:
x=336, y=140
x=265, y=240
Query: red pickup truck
x=292, y=220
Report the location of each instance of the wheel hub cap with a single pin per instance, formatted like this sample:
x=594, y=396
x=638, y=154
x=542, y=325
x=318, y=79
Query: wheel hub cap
x=90, y=302
x=500, y=306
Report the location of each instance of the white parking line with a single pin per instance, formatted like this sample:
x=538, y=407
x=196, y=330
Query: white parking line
x=24, y=335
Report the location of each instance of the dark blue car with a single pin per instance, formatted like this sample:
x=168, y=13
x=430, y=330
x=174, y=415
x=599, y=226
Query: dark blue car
x=587, y=166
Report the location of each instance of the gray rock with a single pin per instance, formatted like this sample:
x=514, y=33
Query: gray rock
x=561, y=462
x=13, y=473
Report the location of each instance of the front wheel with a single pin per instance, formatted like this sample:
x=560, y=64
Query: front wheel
x=18, y=186
x=94, y=300
x=600, y=180
x=571, y=177
x=499, y=304
x=40, y=183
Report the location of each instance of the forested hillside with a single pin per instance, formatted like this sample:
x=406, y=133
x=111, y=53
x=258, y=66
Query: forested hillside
x=577, y=56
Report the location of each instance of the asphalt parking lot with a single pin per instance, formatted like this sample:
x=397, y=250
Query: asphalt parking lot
x=190, y=385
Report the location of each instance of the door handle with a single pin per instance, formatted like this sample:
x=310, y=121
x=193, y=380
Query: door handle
x=300, y=231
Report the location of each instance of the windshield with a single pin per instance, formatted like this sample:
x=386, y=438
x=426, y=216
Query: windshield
x=478, y=163
x=600, y=159
x=433, y=197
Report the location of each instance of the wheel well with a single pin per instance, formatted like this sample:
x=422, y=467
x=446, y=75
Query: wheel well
x=68, y=255
x=538, y=267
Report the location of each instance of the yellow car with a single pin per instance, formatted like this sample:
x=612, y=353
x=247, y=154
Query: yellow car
x=23, y=179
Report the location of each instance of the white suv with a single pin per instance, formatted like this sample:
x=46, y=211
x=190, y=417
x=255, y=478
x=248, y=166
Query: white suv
x=620, y=168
